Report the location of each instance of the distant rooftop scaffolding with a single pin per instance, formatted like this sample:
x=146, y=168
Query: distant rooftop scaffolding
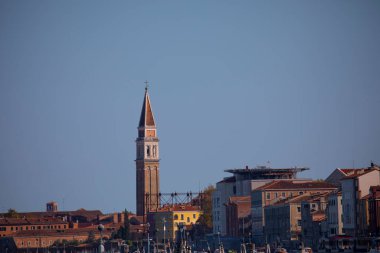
x=265, y=172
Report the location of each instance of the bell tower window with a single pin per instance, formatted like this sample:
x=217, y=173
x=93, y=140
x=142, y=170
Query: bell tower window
x=148, y=151
x=154, y=151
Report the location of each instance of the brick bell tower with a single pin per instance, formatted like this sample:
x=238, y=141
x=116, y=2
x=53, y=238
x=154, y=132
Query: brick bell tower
x=147, y=161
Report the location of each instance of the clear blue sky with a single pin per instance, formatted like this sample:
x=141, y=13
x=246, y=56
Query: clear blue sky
x=234, y=83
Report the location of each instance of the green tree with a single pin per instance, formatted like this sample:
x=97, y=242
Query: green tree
x=126, y=225
x=123, y=231
x=12, y=213
x=91, y=237
x=204, y=223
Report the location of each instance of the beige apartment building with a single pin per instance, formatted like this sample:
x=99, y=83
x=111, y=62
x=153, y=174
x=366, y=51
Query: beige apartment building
x=295, y=219
x=278, y=191
x=335, y=214
x=355, y=189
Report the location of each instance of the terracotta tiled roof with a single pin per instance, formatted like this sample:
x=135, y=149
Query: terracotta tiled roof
x=31, y=221
x=293, y=185
x=359, y=173
x=319, y=216
x=90, y=214
x=306, y=197
x=79, y=231
x=347, y=171
x=368, y=196
x=295, y=199
x=13, y=221
x=311, y=197
x=235, y=199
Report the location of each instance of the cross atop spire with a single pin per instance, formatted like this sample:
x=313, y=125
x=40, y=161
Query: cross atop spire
x=146, y=85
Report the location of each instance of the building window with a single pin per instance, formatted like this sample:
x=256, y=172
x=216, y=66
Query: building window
x=175, y=217
x=300, y=193
x=283, y=194
x=268, y=195
x=298, y=209
x=188, y=219
x=299, y=222
x=154, y=151
x=194, y=216
x=148, y=151
x=275, y=195
x=29, y=243
x=182, y=217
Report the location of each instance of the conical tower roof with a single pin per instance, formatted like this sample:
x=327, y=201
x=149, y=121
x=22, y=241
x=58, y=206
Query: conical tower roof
x=146, y=117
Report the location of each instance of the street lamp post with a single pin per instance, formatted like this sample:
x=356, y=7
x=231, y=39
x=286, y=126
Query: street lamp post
x=163, y=221
x=101, y=246
x=156, y=244
x=147, y=228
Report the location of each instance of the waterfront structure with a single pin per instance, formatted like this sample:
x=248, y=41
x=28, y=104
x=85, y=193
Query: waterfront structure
x=276, y=191
x=241, y=183
x=165, y=221
x=355, y=188
x=238, y=212
x=147, y=161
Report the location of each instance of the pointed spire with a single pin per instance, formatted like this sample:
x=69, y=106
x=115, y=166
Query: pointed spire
x=146, y=117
